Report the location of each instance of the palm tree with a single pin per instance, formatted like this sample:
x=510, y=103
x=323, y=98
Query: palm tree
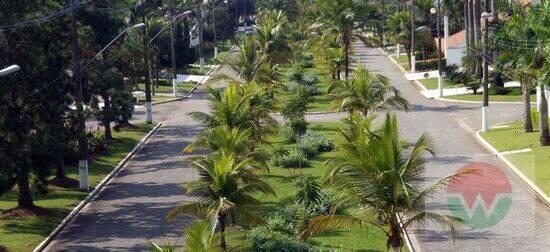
x=199, y=237
x=225, y=141
x=242, y=106
x=337, y=18
x=334, y=60
x=528, y=63
x=382, y=178
x=271, y=36
x=366, y=93
x=399, y=30
x=248, y=60
x=225, y=188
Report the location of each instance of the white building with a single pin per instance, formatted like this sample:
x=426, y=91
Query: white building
x=456, y=49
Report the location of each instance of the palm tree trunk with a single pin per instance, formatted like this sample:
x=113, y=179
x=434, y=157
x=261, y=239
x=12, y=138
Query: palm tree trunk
x=528, y=123
x=544, y=131
x=467, y=23
x=476, y=19
x=395, y=241
x=471, y=22
x=346, y=54
x=221, y=220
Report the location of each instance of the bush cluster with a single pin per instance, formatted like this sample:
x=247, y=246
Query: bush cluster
x=294, y=158
x=428, y=65
x=308, y=145
x=312, y=143
x=283, y=227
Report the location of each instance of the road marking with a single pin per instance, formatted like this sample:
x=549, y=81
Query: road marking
x=516, y=151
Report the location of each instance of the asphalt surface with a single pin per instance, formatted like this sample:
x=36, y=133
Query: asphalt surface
x=451, y=126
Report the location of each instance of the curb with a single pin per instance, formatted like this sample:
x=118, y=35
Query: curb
x=535, y=190
x=407, y=238
x=98, y=189
x=167, y=101
x=208, y=73
x=478, y=102
x=392, y=60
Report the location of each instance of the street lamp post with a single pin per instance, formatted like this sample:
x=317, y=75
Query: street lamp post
x=437, y=12
x=201, y=52
x=171, y=21
x=9, y=70
x=485, y=108
x=413, y=56
x=214, y=7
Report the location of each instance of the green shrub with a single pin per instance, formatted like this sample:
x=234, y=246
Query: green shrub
x=496, y=90
x=428, y=65
x=318, y=140
x=293, y=159
x=263, y=239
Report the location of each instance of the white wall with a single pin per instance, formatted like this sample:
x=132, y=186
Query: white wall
x=455, y=56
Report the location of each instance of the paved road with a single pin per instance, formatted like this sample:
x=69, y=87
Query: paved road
x=526, y=227
x=130, y=211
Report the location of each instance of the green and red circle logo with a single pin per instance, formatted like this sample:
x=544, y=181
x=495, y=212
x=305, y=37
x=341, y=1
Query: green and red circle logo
x=482, y=199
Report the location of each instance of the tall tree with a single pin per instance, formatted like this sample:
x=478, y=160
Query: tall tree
x=366, y=93
x=32, y=103
x=226, y=188
x=381, y=178
x=338, y=18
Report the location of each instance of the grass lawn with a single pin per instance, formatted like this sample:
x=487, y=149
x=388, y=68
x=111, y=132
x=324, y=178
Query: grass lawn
x=320, y=102
x=182, y=87
x=431, y=83
x=401, y=59
x=346, y=239
x=496, y=98
x=25, y=233
x=534, y=164
x=157, y=98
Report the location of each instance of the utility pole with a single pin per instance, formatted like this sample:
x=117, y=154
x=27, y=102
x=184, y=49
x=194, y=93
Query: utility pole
x=201, y=53
x=148, y=102
x=81, y=120
x=485, y=108
x=173, y=49
x=214, y=29
x=413, y=56
x=440, y=73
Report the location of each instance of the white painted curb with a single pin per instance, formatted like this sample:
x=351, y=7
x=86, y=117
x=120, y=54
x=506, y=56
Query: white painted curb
x=408, y=240
x=478, y=102
x=526, y=181
x=98, y=189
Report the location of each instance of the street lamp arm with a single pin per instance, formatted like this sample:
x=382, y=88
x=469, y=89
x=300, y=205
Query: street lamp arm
x=175, y=19
x=9, y=70
x=137, y=26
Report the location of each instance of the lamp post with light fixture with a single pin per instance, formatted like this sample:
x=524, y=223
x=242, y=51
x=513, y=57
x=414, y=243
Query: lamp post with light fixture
x=485, y=107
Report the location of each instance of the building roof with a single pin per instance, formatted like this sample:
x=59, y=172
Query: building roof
x=457, y=40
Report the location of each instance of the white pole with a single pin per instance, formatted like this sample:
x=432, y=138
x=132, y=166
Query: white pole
x=485, y=118
x=440, y=85
x=398, y=50
x=175, y=86
x=215, y=52
x=83, y=175
x=149, y=112
x=413, y=62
